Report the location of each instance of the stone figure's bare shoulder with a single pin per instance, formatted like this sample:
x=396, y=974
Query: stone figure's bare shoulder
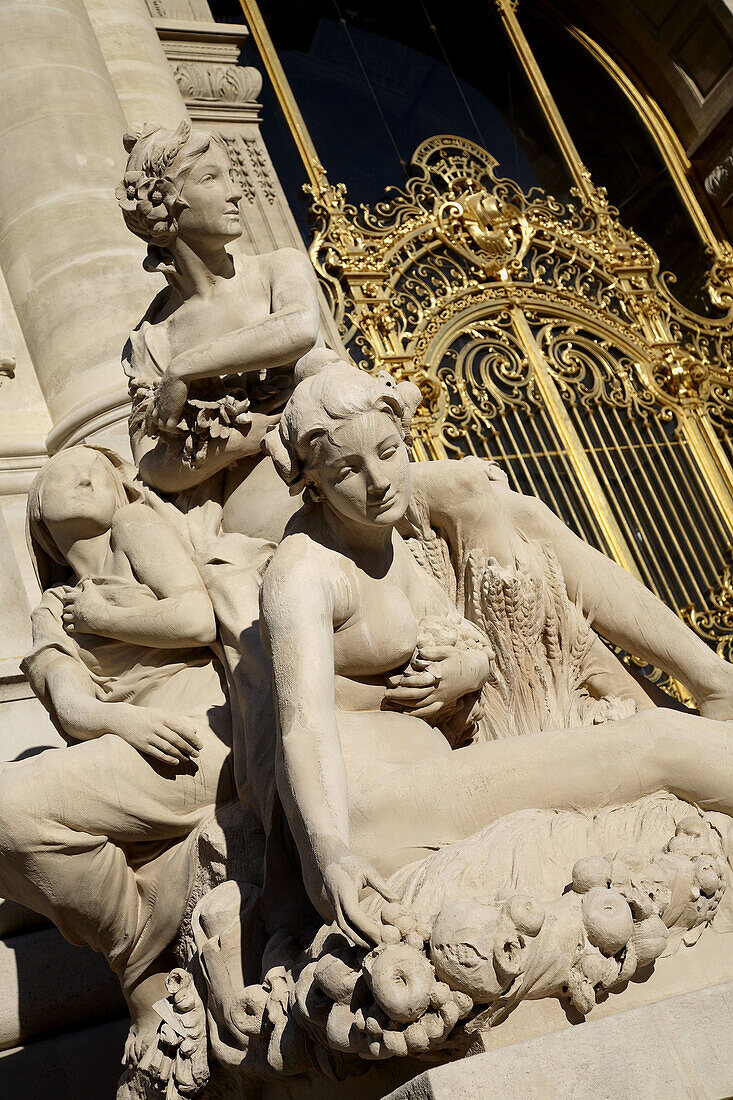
x=298, y=560
x=460, y=491
x=302, y=574
x=154, y=549
x=134, y=521
x=283, y=263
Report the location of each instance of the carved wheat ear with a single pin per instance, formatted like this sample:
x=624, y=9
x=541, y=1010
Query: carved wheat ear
x=179, y=139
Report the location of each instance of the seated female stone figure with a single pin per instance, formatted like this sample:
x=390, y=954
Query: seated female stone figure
x=210, y=364
x=368, y=781
x=95, y=836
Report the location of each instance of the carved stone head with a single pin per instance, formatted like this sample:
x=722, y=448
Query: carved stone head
x=344, y=437
x=178, y=184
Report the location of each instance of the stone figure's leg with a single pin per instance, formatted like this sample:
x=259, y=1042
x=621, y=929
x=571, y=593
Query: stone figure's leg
x=629, y=614
x=404, y=811
x=65, y=816
x=474, y=511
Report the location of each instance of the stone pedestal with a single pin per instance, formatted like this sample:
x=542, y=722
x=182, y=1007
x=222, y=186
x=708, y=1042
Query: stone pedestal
x=680, y=1048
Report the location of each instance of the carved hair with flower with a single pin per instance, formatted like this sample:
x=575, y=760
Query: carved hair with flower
x=150, y=192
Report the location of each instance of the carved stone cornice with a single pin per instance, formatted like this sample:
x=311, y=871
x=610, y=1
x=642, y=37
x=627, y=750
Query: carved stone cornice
x=204, y=59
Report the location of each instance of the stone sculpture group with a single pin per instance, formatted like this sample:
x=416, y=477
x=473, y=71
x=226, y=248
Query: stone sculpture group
x=349, y=773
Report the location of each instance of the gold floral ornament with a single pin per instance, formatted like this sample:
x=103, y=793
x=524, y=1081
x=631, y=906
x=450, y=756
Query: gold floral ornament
x=715, y=622
x=495, y=234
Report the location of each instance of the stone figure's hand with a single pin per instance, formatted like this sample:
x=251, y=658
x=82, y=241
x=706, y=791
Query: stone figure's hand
x=164, y=737
x=170, y=397
x=438, y=677
x=85, y=609
x=255, y=430
x=344, y=877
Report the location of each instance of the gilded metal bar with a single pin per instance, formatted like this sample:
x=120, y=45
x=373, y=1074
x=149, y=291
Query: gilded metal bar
x=671, y=509
x=638, y=504
x=508, y=461
x=711, y=458
x=549, y=496
x=296, y=123
x=702, y=213
x=591, y=486
x=546, y=101
x=672, y=151
x=683, y=477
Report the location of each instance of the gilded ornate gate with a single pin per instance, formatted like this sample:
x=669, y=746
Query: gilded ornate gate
x=545, y=336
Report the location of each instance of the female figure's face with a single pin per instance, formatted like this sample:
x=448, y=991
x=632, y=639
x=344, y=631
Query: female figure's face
x=364, y=470
x=79, y=499
x=212, y=193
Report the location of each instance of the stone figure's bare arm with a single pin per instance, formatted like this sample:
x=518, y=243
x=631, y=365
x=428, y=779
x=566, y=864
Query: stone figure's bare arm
x=299, y=602
x=297, y=619
x=290, y=330
x=68, y=692
x=473, y=510
x=182, y=615
x=160, y=459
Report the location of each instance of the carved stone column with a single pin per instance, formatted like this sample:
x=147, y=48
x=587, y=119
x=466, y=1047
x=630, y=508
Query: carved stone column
x=136, y=62
x=72, y=268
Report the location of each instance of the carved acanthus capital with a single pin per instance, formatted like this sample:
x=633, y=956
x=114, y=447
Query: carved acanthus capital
x=204, y=80
x=204, y=58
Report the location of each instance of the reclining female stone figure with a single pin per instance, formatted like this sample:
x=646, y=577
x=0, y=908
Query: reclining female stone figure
x=368, y=789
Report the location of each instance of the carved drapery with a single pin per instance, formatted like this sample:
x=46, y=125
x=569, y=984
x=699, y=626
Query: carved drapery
x=547, y=336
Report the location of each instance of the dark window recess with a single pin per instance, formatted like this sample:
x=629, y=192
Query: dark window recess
x=374, y=79
x=620, y=153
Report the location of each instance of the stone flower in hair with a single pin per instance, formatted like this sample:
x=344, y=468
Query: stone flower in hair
x=149, y=199
x=151, y=206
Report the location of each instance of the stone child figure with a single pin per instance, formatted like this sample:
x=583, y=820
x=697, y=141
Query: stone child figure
x=210, y=364
x=96, y=836
x=368, y=781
